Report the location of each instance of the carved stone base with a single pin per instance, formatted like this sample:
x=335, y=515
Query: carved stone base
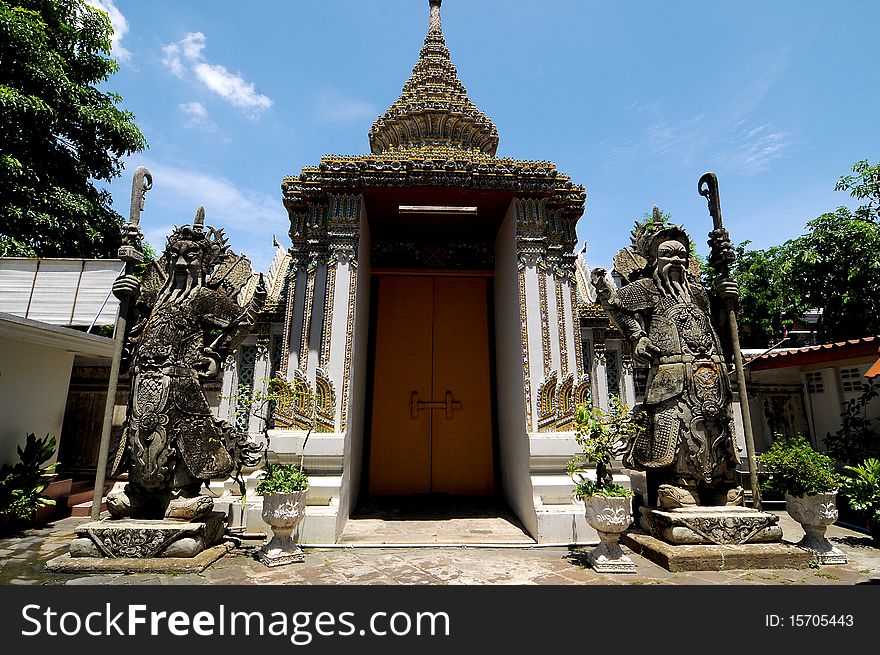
x=712, y=557
x=604, y=562
x=711, y=525
x=824, y=551
x=82, y=565
x=139, y=539
x=279, y=557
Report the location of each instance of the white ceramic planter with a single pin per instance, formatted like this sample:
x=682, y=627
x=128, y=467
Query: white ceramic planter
x=283, y=512
x=815, y=513
x=609, y=516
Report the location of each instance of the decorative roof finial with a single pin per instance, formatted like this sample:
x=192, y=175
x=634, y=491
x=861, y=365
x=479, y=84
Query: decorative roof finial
x=434, y=25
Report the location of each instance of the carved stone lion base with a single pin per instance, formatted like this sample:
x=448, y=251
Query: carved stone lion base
x=711, y=525
x=139, y=539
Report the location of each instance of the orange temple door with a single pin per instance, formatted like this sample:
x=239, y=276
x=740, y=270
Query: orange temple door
x=431, y=429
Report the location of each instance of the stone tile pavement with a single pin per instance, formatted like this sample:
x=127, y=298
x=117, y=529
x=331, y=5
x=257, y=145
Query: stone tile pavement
x=22, y=563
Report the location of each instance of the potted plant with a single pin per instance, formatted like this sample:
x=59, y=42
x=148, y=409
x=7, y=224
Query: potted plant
x=603, y=435
x=808, y=480
x=862, y=489
x=284, y=488
x=22, y=485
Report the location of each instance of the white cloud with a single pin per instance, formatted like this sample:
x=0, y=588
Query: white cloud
x=120, y=27
x=197, y=116
x=231, y=87
x=757, y=148
x=187, y=55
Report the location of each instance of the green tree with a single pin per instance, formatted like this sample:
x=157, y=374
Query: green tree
x=767, y=302
x=58, y=131
x=834, y=266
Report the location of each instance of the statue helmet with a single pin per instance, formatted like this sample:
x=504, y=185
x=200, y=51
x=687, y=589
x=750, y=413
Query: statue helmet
x=213, y=242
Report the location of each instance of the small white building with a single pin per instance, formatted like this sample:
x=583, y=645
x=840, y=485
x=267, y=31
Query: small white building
x=804, y=390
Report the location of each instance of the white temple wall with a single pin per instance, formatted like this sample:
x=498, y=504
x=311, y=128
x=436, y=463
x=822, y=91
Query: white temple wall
x=513, y=440
x=354, y=395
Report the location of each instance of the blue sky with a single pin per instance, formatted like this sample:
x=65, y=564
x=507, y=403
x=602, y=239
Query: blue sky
x=634, y=100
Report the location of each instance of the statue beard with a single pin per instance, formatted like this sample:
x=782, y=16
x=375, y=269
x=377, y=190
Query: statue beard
x=672, y=282
x=181, y=285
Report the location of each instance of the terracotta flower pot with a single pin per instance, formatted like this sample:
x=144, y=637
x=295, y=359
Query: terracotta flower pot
x=815, y=513
x=283, y=512
x=609, y=516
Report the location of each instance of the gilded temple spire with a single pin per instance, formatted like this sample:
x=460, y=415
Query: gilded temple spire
x=435, y=25
x=434, y=110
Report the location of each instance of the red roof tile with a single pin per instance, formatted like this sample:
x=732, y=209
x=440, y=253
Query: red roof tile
x=851, y=348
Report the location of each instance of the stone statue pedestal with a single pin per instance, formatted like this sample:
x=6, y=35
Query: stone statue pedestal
x=140, y=545
x=711, y=525
x=704, y=538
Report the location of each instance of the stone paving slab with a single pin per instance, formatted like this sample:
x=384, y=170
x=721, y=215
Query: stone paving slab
x=468, y=565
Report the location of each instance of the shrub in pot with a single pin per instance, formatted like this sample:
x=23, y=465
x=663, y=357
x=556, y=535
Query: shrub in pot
x=862, y=489
x=284, y=488
x=602, y=435
x=808, y=480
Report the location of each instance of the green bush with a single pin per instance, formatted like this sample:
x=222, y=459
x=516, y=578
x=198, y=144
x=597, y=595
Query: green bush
x=21, y=485
x=603, y=435
x=282, y=479
x=794, y=467
x=862, y=487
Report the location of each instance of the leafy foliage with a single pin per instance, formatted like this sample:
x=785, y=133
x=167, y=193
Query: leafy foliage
x=58, y=131
x=21, y=485
x=859, y=433
x=603, y=435
x=862, y=487
x=767, y=302
x=795, y=468
x=276, y=478
x=834, y=266
x=864, y=184
x=282, y=479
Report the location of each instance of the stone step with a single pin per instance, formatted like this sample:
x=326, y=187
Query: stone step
x=85, y=509
x=58, y=488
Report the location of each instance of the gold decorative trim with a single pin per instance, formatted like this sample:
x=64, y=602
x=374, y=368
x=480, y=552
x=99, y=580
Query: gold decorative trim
x=563, y=329
x=349, y=333
x=524, y=334
x=547, y=403
x=288, y=320
x=307, y=319
x=545, y=320
x=565, y=404
x=578, y=336
x=329, y=295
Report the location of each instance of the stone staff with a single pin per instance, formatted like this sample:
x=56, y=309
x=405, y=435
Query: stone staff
x=131, y=252
x=721, y=258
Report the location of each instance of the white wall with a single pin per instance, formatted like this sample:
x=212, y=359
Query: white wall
x=353, y=455
x=34, y=380
x=513, y=441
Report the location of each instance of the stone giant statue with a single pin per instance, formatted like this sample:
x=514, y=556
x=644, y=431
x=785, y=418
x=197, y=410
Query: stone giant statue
x=186, y=318
x=687, y=447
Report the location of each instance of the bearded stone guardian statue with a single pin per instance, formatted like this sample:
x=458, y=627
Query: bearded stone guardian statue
x=185, y=320
x=688, y=448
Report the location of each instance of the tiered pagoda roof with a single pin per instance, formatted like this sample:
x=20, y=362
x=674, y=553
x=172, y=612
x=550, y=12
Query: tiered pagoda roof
x=433, y=135
x=434, y=109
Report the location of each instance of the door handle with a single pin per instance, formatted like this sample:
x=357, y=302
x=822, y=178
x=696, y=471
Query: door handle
x=448, y=404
